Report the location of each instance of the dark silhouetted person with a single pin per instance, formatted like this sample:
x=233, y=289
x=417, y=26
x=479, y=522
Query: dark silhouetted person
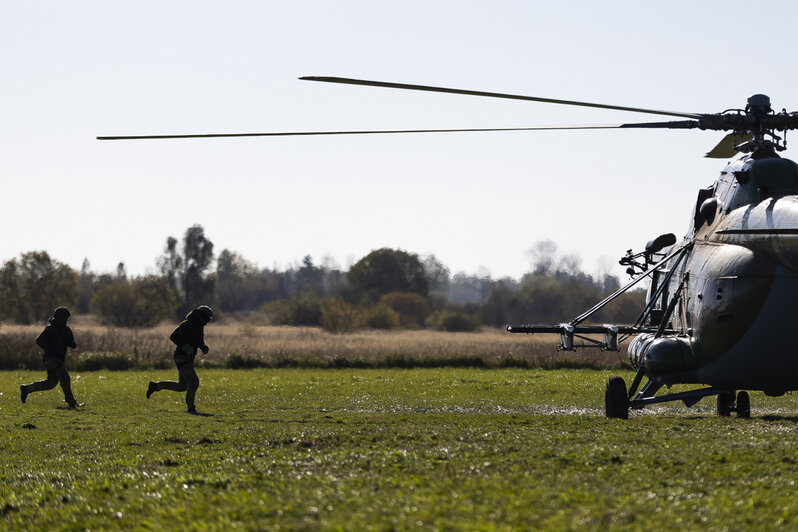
x=54, y=339
x=188, y=337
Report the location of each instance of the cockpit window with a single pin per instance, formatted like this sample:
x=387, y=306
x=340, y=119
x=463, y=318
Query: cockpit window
x=774, y=177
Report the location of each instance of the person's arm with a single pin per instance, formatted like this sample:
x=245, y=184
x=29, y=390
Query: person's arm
x=43, y=339
x=179, y=338
x=177, y=335
x=70, y=339
x=203, y=347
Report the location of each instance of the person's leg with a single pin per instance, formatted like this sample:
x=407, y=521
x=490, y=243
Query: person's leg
x=189, y=376
x=178, y=386
x=66, y=385
x=47, y=384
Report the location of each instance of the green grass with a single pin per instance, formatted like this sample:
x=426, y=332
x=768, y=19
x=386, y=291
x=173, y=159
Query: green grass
x=387, y=449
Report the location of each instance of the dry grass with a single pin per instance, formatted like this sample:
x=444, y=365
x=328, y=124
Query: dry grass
x=245, y=344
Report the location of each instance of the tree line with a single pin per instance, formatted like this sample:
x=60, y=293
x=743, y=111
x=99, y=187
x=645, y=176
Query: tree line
x=386, y=289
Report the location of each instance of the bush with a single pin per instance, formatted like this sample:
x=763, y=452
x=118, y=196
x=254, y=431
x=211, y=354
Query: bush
x=381, y=316
x=300, y=311
x=412, y=308
x=338, y=316
x=452, y=321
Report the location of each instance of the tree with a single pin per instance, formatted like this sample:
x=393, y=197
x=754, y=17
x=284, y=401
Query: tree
x=171, y=264
x=34, y=285
x=186, y=272
x=13, y=303
x=142, y=302
x=154, y=301
x=114, y=303
x=469, y=289
x=197, y=258
x=309, y=278
x=86, y=287
x=452, y=321
x=302, y=311
x=438, y=274
x=121, y=271
x=384, y=271
x=239, y=284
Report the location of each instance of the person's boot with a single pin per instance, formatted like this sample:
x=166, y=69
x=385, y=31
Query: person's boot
x=192, y=410
x=23, y=393
x=73, y=406
x=151, y=388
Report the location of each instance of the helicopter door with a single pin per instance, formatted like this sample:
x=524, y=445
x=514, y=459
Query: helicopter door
x=703, y=195
x=658, y=309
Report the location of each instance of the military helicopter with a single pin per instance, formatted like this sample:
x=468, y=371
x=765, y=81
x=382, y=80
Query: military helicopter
x=722, y=301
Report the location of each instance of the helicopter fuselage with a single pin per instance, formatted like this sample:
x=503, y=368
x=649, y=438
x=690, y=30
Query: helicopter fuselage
x=737, y=286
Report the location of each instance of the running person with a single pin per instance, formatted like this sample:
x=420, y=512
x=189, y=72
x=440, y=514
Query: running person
x=187, y=337
x=54, y=339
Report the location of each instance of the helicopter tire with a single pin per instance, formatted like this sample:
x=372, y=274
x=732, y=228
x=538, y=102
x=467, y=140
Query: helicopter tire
x=743, y=405
x=725, y=401
x=616, y=402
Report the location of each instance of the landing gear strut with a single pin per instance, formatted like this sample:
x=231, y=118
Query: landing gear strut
x=727, y=404
x=743, y=405
x=618, y=401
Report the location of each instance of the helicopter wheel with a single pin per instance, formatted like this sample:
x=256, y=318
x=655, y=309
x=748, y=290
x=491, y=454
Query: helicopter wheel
x=743, y=405
x=725, y=401
x=616, y=402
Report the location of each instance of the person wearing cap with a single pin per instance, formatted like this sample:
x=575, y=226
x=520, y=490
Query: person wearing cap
x=188, y=337
x=54, y=339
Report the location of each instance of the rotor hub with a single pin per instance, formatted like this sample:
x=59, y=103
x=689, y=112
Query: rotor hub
x=759, y=104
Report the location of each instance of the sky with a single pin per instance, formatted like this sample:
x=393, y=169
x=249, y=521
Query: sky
x=72, y=71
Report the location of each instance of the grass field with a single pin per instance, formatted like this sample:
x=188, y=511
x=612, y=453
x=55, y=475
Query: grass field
x=423, y=449
x=238, y=344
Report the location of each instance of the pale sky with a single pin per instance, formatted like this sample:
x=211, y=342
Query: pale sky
x=74, y=70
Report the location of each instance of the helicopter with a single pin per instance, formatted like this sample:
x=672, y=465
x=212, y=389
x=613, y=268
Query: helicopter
x=720, y=304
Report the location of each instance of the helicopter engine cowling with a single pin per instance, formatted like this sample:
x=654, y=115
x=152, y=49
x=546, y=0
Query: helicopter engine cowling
x=661, y=356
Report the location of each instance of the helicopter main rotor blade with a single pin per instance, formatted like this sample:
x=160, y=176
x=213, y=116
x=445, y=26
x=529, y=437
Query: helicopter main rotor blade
x=406, y=86
x=357, y=132
x=673, y=125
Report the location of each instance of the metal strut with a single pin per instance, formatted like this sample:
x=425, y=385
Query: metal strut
x=646, y=395
x=598, y=306
x=659, y=290
x=611, y=341
x=689, y=398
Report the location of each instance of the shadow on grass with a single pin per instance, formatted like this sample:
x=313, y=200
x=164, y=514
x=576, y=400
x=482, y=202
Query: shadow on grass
x=769, y=417
x=793, y=419
x=79, y=408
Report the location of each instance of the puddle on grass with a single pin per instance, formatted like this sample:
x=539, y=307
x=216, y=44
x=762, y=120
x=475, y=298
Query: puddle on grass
x=541, y=410
x=707, y=410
